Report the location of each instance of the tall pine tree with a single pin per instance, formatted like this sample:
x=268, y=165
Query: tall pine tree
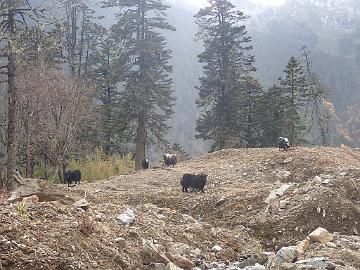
x=316, y=112
x=248, y=111
x=226, y=61
x=273, y=106
x=295, y=91
x=107, y=66
x=148, y=91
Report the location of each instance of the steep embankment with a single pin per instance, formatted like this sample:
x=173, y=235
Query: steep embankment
x=236, y=212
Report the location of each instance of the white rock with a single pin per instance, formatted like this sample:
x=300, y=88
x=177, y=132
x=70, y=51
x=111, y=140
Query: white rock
x=255, y=267
x=197, y=252
x=318, y=263
x=325, y=176
x=189, y=219
x=171, y=266
x=216, y=248
x=287, y=254
x=331, y=244
x=288, y=160
x=160, y=216
x=127, y=217
x=159, y=266
x=278, y=192
x=83, y=204
x=321, y=235
x=317, y=179
x=325, y=181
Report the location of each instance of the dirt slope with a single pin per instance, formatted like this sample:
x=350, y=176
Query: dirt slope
x=183, y=228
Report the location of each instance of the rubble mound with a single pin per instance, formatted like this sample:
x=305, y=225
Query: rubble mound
x=257, y=202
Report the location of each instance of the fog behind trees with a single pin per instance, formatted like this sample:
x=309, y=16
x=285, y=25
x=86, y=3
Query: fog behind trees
x=329, y=30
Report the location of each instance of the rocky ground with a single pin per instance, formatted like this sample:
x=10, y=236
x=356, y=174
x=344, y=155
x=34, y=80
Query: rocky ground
x=258, y=211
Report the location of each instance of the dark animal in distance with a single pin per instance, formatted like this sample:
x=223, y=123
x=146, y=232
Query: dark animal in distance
x=72, y=176
x=170, y=159
x=283, y=143
x=145, y=163
x=194, y=181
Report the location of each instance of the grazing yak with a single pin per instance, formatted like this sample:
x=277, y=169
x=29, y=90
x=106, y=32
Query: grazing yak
x=145, y=163
x=194, y=181
x=72, y=176
x=283, y=143
x=170, y=159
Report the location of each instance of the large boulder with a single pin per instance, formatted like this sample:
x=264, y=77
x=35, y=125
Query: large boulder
x=287, y=254
x=321, y=235
x=42, y=189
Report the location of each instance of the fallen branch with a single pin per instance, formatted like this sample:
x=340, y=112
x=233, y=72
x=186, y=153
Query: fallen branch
x=354, y=184
x=17, y=177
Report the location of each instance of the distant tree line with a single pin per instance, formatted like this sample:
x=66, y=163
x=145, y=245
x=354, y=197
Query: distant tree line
x=73, y=85
x=236, y=110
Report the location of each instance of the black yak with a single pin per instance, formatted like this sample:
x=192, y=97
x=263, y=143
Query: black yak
x=196, y=182
x=145, y=163
x=72, y=176
x=170, y=159
x=283, y=143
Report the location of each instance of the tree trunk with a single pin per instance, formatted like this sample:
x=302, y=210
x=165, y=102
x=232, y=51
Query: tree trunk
x=140, y=140
x=29, y=158
x=60, y=168
x=81, y=42
x=71, y=35
x=11, y=129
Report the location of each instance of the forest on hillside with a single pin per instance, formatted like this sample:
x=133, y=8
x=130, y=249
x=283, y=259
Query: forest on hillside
x=115, y=81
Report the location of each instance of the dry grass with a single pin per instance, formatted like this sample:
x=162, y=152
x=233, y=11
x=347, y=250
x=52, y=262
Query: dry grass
x=99, y=166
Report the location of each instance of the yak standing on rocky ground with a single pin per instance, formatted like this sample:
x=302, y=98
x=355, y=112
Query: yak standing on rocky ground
x=283, y=143
x=170, y=159
x=72, y=176
x=145, y=163
x=194, y=181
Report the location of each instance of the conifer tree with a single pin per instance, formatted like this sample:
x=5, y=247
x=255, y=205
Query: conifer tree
x=272, y=105
x=319, y=118
x=295, y=91
x=226, y=61
x=107, y=65
x=249, y=112
x=148, y=92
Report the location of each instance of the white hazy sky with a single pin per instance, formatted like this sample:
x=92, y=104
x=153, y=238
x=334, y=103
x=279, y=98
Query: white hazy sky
x=267, y=2
x=270, y=2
